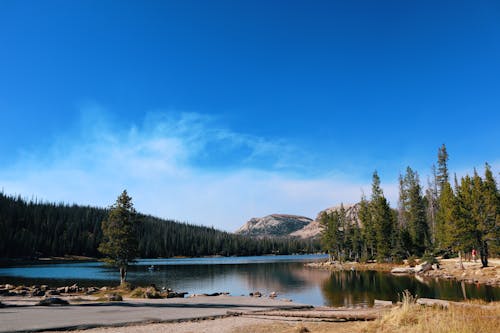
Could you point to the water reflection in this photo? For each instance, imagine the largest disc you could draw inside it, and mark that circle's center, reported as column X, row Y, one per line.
column 347, row 288
column 239, row 276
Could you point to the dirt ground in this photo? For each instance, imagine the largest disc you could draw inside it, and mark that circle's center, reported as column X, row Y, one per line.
column 472, row 272
column 238, row 325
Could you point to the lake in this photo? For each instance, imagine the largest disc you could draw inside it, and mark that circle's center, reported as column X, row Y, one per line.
column 242, row 275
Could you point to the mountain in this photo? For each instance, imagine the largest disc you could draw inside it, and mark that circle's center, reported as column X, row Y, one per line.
column 313, row 229
column 275, row 225
column 282, row 225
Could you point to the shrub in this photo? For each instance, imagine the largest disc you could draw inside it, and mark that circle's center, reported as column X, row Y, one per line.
column 429, row 258
column 412, row 261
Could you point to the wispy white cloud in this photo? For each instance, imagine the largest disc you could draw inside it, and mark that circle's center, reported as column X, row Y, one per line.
column 181, row 166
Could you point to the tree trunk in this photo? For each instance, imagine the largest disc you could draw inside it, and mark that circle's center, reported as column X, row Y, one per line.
column 460, row 260
column 483, row 252
column 123, row 275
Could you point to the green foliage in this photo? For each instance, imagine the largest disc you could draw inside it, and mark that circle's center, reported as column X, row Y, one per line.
column 382, row 220
column 412, row 261
column 429, row 258
column 332, row 230
column 412, row 214
column 120, row 244
column 33, row 229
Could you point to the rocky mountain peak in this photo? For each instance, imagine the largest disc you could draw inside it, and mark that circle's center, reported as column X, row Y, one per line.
column 274, row 225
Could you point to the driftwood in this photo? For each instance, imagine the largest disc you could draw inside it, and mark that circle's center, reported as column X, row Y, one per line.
column 362, row 314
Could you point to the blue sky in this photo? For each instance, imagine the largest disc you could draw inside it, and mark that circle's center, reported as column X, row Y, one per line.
column 214, row 112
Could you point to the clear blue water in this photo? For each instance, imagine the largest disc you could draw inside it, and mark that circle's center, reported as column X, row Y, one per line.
column 242, row 275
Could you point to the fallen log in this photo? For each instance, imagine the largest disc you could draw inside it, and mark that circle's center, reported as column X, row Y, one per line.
column 331, row 315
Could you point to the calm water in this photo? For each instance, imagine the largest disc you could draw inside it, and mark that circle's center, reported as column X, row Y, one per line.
column 241, row 275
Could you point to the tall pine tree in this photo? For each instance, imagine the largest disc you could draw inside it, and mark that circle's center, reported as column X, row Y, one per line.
column 382, row 220
column 120, row 244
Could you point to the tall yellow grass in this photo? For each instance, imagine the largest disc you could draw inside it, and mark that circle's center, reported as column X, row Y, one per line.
column 472, row 317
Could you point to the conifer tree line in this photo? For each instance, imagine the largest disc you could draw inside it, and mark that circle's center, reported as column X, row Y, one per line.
column 444, row 219
column 32, row 229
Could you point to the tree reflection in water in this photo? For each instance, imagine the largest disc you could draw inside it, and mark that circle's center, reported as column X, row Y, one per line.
column 346, row 288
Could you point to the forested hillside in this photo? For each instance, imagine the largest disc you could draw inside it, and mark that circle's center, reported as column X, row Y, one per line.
column 34, row 229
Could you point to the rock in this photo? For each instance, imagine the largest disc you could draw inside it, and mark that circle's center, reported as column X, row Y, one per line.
column 9, row 287
column 435, row 267
column 52, row 292
column 423, row 267
column 275, row 225
column 37, row 293
column 256, row 294
column 114, row 297
column 174, row 294
column 52, row 301
column 91, row 290
column 212, row 294
column 273, row 294
column 104, row 289
column 402, row 270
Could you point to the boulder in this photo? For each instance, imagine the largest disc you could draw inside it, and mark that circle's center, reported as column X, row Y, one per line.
column 173, row 294
column 403, row 270
column 423, row 267
column 114, row 297
column 37, row 292
column 52, row 292
column 52, row 301
column 91, row 290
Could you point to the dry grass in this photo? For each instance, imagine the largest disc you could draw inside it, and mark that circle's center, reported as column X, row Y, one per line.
column 463, row 318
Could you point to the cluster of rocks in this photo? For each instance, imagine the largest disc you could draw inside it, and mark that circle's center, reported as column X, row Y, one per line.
column 259, row 294
column 418, row 269
column 44, row 290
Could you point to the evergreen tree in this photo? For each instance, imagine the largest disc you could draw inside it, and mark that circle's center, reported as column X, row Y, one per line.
column 446, row 209
column 462, row 232
column 442, row 176
column 415, row 211
column 120, row 244
column 431, row 203
column 332, row 233
column 382, row 220
column 486, row 211
column 367, row 229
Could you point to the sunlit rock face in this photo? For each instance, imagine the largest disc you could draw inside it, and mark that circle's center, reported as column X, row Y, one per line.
column 275, row 225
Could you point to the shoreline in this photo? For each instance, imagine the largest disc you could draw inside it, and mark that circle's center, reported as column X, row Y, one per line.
column 232, row 314
column 448, row 269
